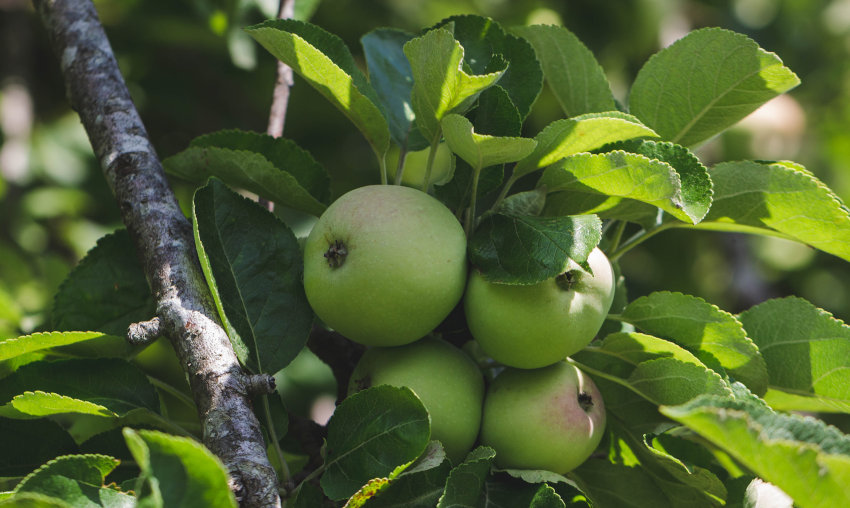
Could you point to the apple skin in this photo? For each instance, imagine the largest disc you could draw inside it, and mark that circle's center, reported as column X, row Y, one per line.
column 385, row 264
column 551, row 418
column 537, row 325
column 449, row 384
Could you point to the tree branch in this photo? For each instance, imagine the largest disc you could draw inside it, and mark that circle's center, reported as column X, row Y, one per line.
column 280, row 95
column 164, row 242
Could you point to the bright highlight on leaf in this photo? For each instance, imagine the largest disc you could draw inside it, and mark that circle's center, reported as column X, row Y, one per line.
column 584, row 133
column 779, row 198
column 440, row 85
column 806, row 350
column 704, row 83
column 599, row 183
column 480, row 150
column 324, row 61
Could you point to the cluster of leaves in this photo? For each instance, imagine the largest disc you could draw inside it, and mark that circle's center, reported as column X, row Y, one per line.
column 700, row 402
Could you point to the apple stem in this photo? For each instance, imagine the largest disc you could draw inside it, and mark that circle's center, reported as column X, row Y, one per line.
column 618, row 235
column 504, row 191
column 435, row 144
column 399, row 170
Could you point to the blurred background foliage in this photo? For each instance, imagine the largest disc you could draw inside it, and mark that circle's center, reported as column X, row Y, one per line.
column 191, row 70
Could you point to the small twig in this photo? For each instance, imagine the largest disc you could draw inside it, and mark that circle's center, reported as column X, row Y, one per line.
column 260, row 384
column 145, row 332
column 280, row 95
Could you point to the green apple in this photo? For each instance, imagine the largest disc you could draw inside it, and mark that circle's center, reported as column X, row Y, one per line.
column 385, row 264
column 449, row 384
column 537, row 325
column 550, row 418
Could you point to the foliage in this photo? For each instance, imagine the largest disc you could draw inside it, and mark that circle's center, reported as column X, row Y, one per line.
column 700, row 401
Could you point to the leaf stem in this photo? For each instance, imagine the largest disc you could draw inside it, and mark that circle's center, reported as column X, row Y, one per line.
column 435, row 144
column 638, row 238
column 174, row 392
column 473, row 199
column 382, row 162
column 618, row 235
column 284, row 467
column 511, row 181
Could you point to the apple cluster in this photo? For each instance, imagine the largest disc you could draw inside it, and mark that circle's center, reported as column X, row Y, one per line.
column 385, row 265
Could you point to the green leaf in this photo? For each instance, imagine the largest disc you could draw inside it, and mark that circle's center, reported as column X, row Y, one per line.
column 496, row 115
column 254, row 266
column 418, row 486
column 781, row 199
column 697, row 188
column 324, row 61
column 33, row 500
column 570, row 69
column 106, row 292
column 114, row 384
column 657, row 370
column 546, row 497
column 27, row 444
column 486, row 45
column 392, row 78
column 504, row 492
column 716, row 337
column 807, row 352
column 803, row 456
column 440, row 86
column 47, row 404
column 249, row 170
column 584, row 133
column 598, row 183
column 465, row 481
column 524, row 249
column 704, row 83
column 178, row 471
column 371, row 434
column 481, row 150
column 617, row 485
column 77, row 480
column 13, row 347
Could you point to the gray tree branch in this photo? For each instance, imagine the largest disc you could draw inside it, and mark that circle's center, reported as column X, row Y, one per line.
column 164, row 242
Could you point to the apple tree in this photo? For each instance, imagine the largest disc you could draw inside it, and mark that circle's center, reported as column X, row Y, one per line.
column 470, row 303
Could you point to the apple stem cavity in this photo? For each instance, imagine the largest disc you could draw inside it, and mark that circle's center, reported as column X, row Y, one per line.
column 567, row 280
column 336, row 254
column 585, row 401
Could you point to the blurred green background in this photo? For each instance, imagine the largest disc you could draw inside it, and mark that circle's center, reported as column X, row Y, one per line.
column 191, row 71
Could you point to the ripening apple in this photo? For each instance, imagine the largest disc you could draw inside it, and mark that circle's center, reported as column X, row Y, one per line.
column 550, row 418
column 449, row 384
column 385, row 264
column 537, row 325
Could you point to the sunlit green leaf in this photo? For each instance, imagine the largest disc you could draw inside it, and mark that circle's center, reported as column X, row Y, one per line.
column 704, row 83
column 178, row 471
column 714, row 336
column 778, row 198
column 480, row 150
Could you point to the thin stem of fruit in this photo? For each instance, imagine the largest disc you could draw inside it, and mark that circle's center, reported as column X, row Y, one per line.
column 399, row 169
column 382, row 162
column 435, row 144
column 473, row 199
column 605, row 375
column 286, row 477
column 638, row 238
column 618, row 235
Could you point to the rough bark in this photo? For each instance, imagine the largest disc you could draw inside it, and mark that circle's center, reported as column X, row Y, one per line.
column 164, row 241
